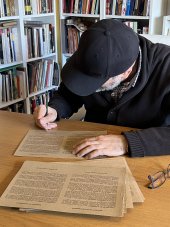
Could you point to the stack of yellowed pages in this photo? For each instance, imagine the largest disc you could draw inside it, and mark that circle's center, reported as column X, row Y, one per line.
column 98, row 187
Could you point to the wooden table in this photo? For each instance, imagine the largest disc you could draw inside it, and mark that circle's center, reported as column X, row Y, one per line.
column 155, row 211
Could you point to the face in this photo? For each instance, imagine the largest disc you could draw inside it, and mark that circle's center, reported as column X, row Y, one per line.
column 112, row 83
column 116, row 80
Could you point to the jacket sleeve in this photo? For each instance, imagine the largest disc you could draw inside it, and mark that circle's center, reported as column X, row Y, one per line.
column 65, row 102
column 153, row 141
column 149, row 142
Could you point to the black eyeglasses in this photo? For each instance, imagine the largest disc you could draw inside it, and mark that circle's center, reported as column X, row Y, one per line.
column 157, row 179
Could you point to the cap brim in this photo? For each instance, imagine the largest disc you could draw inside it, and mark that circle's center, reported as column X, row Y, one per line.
column 78, row 82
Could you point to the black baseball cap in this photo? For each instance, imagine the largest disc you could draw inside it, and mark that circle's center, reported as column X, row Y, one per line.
column 107, row 49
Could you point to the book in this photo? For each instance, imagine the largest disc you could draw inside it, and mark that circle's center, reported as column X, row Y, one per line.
column 21, row 73
column 28, row 7
column 0, row 88
column 97, row 7
column 1, row 48
column 132, row 6
column 128, row 5
column 108, row 2
column 118, row 7
column 76, row 6
column 72, row 6
column 56, row 74
column 123, row 11
column 84, row 6
column 8, row 23
column 141, row 7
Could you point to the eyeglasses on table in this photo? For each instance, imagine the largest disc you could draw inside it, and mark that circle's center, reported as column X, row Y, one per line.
column 159, row 178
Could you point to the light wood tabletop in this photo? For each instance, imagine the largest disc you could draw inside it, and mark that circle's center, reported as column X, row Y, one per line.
column 155, row 211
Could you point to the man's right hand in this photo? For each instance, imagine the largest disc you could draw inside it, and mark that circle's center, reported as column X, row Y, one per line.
column 45, row 121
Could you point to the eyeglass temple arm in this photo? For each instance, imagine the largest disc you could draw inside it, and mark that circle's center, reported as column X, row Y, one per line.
column 151, row 185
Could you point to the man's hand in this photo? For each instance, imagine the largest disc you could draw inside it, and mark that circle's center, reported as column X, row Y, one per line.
column 109, row 145
column 43, row 121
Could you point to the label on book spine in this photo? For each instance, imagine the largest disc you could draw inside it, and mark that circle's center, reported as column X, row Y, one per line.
column 27, row 9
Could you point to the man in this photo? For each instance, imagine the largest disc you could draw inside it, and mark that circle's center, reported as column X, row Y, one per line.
column 121, row 79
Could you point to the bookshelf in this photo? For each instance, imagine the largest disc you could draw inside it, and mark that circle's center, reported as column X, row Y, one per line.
column 146, row 21
column 34, row 49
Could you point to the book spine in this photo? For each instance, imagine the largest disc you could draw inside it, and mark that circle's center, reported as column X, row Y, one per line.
column 28, row 8
column 71, row 6
column 84, row 6
column 128, row 3
column 97, row 7
column 123, row 12
column 0, row 88
column 76, row 5
column 107, row 7
column 93, row 7
column 1, row 48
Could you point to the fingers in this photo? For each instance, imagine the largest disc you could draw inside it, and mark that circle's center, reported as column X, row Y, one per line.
column 84, row 143
column 43, row 121
column 46, row 126
column 94, row 154
column 86, row 148
column 109, row 145
column 89, row 148
column 49, row 126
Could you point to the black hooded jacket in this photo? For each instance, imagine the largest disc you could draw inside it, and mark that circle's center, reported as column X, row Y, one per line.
column 145, row 106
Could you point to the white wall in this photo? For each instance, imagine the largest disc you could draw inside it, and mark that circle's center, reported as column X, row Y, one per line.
column 158, row 38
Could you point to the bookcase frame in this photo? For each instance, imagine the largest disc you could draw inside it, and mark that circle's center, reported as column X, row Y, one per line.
column 20, row 19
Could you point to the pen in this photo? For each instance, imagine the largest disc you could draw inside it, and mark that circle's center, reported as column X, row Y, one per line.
column 46, row 102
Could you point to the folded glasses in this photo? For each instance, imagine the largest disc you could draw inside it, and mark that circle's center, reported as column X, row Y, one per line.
column 157, row 179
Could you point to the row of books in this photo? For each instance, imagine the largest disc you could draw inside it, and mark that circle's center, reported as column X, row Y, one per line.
column 9, row 49
column 113, row 7
column 38, row 6
column 40, row 39
column 73, row 39
column 7, row 8
column 128, row 7
column 12, row 84
column 81, row 6
column 74, row 32
column 42, row 74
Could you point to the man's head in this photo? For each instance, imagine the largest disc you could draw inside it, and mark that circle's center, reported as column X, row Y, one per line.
column 107, row 49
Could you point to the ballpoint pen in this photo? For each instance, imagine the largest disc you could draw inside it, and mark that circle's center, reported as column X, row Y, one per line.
column 46, row 102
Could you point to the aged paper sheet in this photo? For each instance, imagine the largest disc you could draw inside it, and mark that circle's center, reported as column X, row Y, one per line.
column 54, row 143
column 132, row 191
column 134, row 194
column 69, row 188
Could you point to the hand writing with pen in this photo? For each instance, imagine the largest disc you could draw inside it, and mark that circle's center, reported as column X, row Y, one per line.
column 108, row 145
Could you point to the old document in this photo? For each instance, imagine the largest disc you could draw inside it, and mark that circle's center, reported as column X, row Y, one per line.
column 69, row 188
column 54, row 143
column 133, row 193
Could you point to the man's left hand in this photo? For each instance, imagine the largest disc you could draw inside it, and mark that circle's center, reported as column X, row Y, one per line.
column 109, row 145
